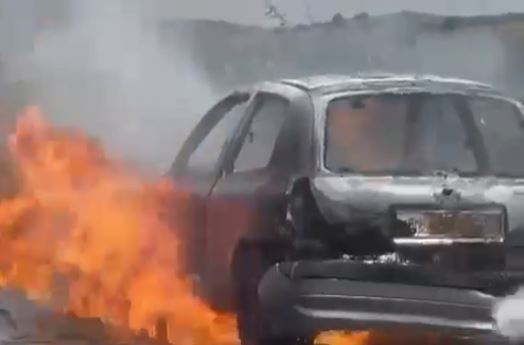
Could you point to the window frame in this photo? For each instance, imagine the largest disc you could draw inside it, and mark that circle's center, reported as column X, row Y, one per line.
column 257, row 101
column 205, row 126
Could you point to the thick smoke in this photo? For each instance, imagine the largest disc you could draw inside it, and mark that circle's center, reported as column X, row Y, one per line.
column 509, row 316
column 108, row 72
column 403, row 42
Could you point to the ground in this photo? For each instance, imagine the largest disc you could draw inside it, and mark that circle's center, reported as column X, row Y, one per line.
column 24, row 322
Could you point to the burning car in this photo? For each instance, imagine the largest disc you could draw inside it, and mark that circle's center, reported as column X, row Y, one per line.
column 356, row 203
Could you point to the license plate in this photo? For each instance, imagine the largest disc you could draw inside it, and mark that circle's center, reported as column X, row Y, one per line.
column 464, row 225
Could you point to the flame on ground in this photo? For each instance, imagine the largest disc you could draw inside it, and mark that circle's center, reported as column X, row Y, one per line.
column 394, row 337
column 85, row 233
column 342, row 338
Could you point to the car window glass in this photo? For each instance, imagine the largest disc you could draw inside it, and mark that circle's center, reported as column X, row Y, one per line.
column 392, row 133
column 203, row 160
column 259, row 143
column 366, row 134
column 502, row 132
column 441, row 138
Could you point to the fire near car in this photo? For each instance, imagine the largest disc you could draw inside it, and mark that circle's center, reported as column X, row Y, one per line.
column 356, row 203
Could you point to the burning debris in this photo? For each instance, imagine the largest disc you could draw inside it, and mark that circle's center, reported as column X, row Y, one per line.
column 85, row 235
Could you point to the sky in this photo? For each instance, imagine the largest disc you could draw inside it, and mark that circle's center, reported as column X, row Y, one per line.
column 252, row 11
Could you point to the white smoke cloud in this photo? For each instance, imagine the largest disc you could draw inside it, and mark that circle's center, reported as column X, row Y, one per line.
column 108, row 72
column 509, row 316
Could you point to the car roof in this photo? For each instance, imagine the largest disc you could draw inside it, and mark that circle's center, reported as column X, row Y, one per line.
column 327, row 84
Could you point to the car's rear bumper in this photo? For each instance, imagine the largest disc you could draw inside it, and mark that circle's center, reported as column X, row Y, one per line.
column 307, row 306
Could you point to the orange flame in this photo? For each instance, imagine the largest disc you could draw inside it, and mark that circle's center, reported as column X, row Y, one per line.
column 342, row 338
column 399, row 336
column 82, row 223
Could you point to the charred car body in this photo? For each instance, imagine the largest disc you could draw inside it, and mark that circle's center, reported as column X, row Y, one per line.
column 355, row 203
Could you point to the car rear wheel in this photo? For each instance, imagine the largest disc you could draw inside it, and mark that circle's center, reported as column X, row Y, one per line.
column 249, row 265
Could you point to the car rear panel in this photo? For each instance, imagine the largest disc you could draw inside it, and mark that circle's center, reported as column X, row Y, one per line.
column 342, row 198
column 317, row 296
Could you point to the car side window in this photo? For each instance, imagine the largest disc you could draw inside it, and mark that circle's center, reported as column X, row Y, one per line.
column 203, row 160
column 259, row 143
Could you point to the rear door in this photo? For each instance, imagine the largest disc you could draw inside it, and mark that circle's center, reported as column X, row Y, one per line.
column 246, row 200
column 197, row 168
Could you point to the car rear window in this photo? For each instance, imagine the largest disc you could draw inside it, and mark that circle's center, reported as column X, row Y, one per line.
column 415, row 133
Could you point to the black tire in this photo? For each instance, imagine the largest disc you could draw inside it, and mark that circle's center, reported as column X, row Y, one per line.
column 249, row 265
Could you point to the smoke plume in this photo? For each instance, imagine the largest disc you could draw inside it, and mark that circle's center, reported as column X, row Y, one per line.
column 509, row 316
column 107, row 71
